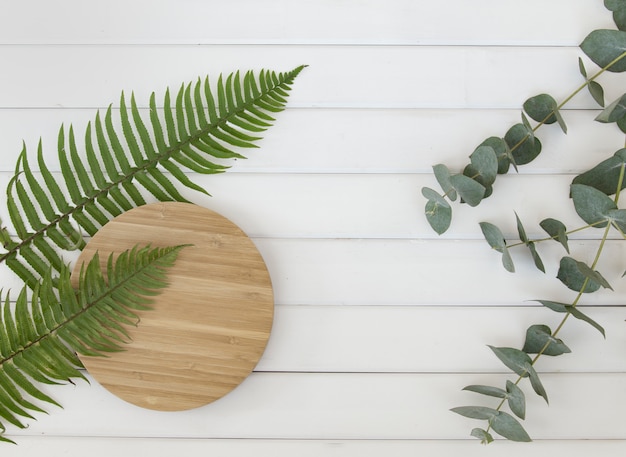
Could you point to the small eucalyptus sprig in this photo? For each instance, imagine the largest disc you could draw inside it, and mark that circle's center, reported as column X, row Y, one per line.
column 599, row 211
column 591, row 194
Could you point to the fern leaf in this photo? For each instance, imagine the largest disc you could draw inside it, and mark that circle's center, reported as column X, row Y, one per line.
column 204, row 127
column 35, row 335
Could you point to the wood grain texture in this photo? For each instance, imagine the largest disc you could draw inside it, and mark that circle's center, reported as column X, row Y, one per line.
column 208, row 329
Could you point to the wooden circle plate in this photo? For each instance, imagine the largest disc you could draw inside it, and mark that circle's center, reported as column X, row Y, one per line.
column 208, row 329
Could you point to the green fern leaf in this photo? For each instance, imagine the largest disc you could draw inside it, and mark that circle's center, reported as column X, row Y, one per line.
column 204, row 127
column 35, row 335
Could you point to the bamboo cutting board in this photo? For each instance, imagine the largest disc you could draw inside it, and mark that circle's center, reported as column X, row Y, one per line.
column 208, row 329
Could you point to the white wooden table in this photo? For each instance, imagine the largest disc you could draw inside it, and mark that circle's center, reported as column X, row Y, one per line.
column 379, row 322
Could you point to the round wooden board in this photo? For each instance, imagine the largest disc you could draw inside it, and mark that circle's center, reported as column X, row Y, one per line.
column 208, row 329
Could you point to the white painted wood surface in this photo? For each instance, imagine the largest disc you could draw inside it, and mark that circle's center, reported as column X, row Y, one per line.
column 379, row 323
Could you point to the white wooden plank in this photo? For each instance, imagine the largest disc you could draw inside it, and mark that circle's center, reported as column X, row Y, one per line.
column 327, row 21
column 415, row 272
column 355, row 140
column 337, row 76
column 343, row 406
column 374, row 205
column 160, row 447
column 425, row 339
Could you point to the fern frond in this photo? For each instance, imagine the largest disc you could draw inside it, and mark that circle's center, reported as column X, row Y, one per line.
column 197, row 130
column 38, row 338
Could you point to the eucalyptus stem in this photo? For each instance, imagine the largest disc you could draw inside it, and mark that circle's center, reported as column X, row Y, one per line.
column 576, row 301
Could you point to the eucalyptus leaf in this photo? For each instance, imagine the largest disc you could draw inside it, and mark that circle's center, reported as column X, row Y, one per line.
column 606, row 175
column 619, row 17
column 539, row 339
column 523, row 144
column 484, row 436
column 574, row 311
column 507, row 426
column 485, row 162
column 516, row 399
column 502, row 151
column 614, row 112
column 494, row 237
column 621, row 124
column 618, row 218
column 557, row 230
column 470, row 190
column 516, row 360
column 606, row 48
column 592, row 205
column 442, row 174
column 572, row 274
column 614, row 5
column 438, row 211
column 475, row 412
column 487, row 390
column 531, row 245
column 541, row 108
column 597, row 92
column 536, row 384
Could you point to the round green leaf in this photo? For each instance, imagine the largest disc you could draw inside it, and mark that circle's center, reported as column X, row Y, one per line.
column 438, row 211
column 496, row 240
column 485, row 162
column 571, row 275
column 523, row 144
column 539, row 337
column 541, row 108
column 605, row 175
column 557, row 230
column 592, row 205
column 604, row 47
column 502, row 151
column 442, row 174
column 484, row 436
column 471, row 191
column 614, row 5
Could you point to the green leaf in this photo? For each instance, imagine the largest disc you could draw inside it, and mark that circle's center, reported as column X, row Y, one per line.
column 614, row 112
column 34, row 337
column 106, row 176
column 516, row 399
column 531, row 245
column 523, row 144
column 516, row 360
column 484, row 436
column 606, row 175
column 576, row 276
column 503, row 153
column 507, row 426
column 557, row 230
column 595, row 89
column 606, row 48
column 592, row 205
column 496, row 240
column 539, row 339
column 541, row 108
column 536, row 384
column 475, row 412
column 442, row 174
column 438, row 212
column 614, row 5
column 485, row 163
column 619, row 17
column 470, row 190
column 487, row 390
column 574, row 311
